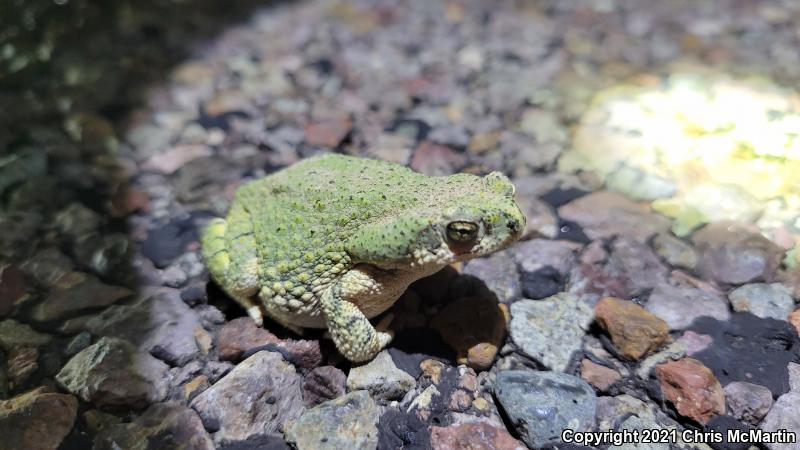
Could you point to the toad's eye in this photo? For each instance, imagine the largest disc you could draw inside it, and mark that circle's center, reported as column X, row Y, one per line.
column 462, row 231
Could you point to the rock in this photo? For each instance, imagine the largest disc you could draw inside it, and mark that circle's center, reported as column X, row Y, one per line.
column 14, row 335
column 48, row 265
column 634, row 331
column 162, row 425
column 328, row 133
column 22, row 363
column 128, row 200
column 167, row 241
column 544, row 266
column 639, row 185
column 794, row 376
column 749, row 348
column 540, row 405
column 13, row 288
column 606, row 214
column 397, row 429
column 542, row 220
column 97, row 421
column 470, row 436
column 73, row 294
column 680, row 306
column 169, row 161
column 348, row 422
column 499, row 273
column 77, row 343
column 692, row 388
column 762, row 299
column 241, row 336
column 694, row 342
column 112, row 372
column 437, row 160
column 747, row 402
column 784, row 416
column 257, row 397
column 731, row 254
column 76, row 221
column 675, row 252
column 601, row 377
column 474, row 327
column 550, row 330
column 36, row 420
column 636, row 266
column 794, row 319
column 159, row 322
column 323, row 384
column 381, row 378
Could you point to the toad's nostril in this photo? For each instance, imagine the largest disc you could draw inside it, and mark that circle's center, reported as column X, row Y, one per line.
column 513, row 225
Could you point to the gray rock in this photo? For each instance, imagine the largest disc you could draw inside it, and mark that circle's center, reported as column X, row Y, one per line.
column 73, row 294
column 162, row 425
column 540, row 405
column 161, row 324
column 607, row 214
column 537, row 254
column 784, row 415
column 36, row 420
column 381, row 378
column 76, row 221
column 747, row 402
column 348, row 422
column 635, row 264
column 550, row 330
column 794, row 377
column 14, row 334
column 255, row 398
column 674, row 251
column 638, row 423
column 112, row 372
column 48, row 265
column 638, row 184
column 542, row 220
column 679, row 306
column 499, row 273
column 764, row 300
column 731, row 253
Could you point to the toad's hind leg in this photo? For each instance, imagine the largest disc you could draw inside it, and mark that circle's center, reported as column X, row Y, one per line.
column 229, row 249
column 351, row 331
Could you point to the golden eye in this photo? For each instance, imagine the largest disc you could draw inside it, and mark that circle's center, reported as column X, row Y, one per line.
column 462, row 231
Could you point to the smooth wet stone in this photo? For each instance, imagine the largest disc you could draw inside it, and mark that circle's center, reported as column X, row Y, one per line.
column 257, row 397
column 639, row 185
column 113, row 372
column 680, row 306
column 36, row 420
column 747, row 402
column 540, row 405
column 381, row 378
column 764, row 300
column 730, row 253
column 348, row 422
column 674, row 251
column 550, row 330
column 162, row 425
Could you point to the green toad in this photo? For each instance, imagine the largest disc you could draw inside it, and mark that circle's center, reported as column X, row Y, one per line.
column 334, row 240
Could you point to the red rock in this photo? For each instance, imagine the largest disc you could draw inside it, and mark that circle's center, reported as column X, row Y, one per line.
column 600, row 377
column 36, row 420
column 13, row 288
column 328, row 133
column 241, row 335
column 692, row 388
column 473, row 436
column 794, row 319
column 634, row 331
column 437, row 160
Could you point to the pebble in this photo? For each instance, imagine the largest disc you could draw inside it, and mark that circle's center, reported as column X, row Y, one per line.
column 328, row 133
column 731, row 253
column 36, row 420
column 348, row 422
column 541, row 218
column 14, row 334
column 540, row 405
column 636, row 266
column 764, row 300
column 607, row 214
column 675, row 251
column 158, row 322
column 257, row 397
column 13, row 288
column 550, row 330
column 437, row 160
column 680, row 306
column 73, row 294
column 784, row 415
column 473, row 436
column 747, row 402
column 601, row 377
column 692, row 388
column 322, row 384
column 241, row 336
column 162, row 425
column 381, row 378
column 474, row 327
column 544, row 266
column 22, row 363
column 634, row 331
column 112, row 372
column 499, row 273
